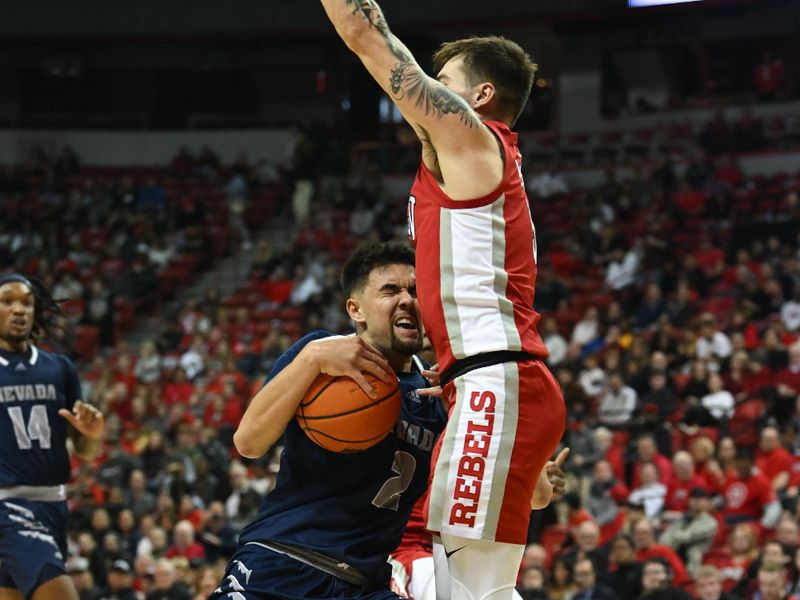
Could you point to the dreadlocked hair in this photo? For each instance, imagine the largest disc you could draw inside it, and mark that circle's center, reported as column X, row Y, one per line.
column 46, row 310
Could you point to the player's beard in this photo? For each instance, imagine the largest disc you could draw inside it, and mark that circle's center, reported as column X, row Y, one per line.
column 406, row 348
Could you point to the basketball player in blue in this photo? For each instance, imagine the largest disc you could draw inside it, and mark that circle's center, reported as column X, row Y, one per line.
column 40, row 408
column 327, row 528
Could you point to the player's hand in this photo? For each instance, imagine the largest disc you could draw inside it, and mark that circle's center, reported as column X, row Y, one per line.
column 556, row 475
column 351, row 356
column 86, row 420
column 432, row 375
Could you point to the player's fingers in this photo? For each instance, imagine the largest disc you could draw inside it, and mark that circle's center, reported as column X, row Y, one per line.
column 375, row 369
column 432, row 376
column 435, row 391
column 363, row 383
column 562, row 456
column 68, row 416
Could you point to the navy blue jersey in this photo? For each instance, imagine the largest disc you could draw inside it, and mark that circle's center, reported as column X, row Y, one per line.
column 33, row 436
column 351, row 506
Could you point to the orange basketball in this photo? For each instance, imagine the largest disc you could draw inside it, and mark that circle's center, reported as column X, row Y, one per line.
column 337, row 415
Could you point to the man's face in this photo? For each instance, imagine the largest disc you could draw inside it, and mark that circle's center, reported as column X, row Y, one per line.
column 770, row 584
column 654, row 576
column 388, row 310
column 584, row 575
column 16, row 312
column 453, row 77
column 709, row 588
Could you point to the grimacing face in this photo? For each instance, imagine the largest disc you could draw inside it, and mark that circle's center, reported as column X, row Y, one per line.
column 388, row 310
column 17, row 308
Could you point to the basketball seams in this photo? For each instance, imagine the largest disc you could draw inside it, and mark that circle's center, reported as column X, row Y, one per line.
column 319, row 392
column 388, row 396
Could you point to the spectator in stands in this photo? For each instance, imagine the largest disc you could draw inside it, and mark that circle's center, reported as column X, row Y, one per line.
column 78, row 569
column 787, row 379
column 554, row 341
column 769, row 77
column 625, row 571
column 657, row 576
column 120, row 582
column 709, row 584
column 535, row 556
column 587, row 329
column 748, row 494
column 165, row 584
column 185, row 544
column 148, row 365
column 217, row 536
column 691, row 535
column 718, row 402
column 533, row 583
column 618, row 402
column 684, row 481
column 623, row 268
column 711, row 342
column 561, row 583
column 605, row 493
column 587, row 546
column 772, row 553
column 587, row 586
column 647, row 548
column 647, row 452
column 773, row 460
column 651, row 492
column 772, row 583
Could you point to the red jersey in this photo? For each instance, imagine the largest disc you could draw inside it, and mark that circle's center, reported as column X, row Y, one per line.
column 476, row 263
column 774, row 462
column 678, row 493
column 746, row 497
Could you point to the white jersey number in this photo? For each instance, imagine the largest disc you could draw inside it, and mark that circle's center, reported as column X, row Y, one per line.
column 389, row 495
column 412, row 230
column 38, row 427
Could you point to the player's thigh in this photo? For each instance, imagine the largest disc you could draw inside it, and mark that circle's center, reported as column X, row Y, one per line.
column 59, row 588
column 32, row 545
column 506, row 422
column 10, row 594
column 482, row 570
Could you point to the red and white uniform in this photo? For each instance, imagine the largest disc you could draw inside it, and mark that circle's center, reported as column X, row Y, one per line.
column 476, row 273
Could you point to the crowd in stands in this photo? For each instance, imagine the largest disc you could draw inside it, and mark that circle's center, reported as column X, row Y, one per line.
column 671, row 309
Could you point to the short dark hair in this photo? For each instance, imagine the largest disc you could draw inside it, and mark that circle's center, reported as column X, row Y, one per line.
column 369, row 257
column 494, row 59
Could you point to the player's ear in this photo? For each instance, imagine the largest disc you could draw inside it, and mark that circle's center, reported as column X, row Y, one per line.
column 485, row 93
column 353, row 308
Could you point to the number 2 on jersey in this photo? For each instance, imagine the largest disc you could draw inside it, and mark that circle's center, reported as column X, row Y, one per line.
column 389, row 495
column 38, row 427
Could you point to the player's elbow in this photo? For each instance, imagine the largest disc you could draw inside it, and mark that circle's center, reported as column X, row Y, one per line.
column 246, row 444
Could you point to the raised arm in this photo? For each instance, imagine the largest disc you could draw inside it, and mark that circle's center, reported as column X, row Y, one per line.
column 443, row 120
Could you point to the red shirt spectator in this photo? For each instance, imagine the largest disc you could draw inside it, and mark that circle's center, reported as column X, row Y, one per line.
column 185, row 544
column 773, row 460
column 646, row 547
column 646, row 451
column 747, row 492
column 180, row 390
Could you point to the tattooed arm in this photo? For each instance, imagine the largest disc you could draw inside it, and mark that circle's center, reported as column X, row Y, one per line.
column 456, row 145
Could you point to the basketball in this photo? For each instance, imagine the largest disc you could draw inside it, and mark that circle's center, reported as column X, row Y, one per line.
column 339, row 416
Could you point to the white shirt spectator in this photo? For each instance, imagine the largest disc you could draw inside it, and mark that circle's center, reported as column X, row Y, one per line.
column 790, row 314
column 719, row 404
column 585, row 331
column 557, row 347
column 651, row 496
column 593, row 381
column 616, row 407
column 620, row 274
column 546, row 184
column 718, row 346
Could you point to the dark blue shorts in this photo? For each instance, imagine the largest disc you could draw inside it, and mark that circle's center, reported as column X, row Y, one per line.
column 257, row 573
column 33, row 543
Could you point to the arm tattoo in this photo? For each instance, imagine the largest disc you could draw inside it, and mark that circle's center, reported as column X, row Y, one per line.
column 407, row 80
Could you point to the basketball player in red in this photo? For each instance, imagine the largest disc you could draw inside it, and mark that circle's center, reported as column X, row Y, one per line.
column 469, row 218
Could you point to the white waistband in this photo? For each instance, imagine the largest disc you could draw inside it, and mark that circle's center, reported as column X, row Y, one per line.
column 38, row 493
